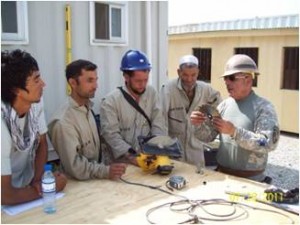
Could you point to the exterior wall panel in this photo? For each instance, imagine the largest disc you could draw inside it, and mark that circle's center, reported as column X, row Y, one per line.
column 270, row 44
column 47, row 44
column 46, row 21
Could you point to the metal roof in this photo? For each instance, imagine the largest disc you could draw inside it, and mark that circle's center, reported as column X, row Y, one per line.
column 274, row 22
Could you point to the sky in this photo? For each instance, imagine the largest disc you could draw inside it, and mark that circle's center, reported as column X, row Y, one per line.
column 198, row 11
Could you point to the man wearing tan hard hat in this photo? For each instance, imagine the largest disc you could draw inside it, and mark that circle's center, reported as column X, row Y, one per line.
column 247, row 125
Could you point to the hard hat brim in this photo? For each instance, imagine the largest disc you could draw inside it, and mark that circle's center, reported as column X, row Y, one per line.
column 135, row 68
column 229, row 73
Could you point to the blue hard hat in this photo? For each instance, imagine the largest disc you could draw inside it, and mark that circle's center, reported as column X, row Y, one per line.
column 135, row 60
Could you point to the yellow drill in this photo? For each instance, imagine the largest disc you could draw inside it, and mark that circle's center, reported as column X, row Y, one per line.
column 156, row 153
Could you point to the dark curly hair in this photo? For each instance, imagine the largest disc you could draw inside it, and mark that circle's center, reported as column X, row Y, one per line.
column 16, row 67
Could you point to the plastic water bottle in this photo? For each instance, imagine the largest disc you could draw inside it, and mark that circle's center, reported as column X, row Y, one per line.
column 49, row 190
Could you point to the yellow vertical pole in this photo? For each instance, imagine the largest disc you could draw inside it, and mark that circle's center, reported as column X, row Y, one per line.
column 68, row 40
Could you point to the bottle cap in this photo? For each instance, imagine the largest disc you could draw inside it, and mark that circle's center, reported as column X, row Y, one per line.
column 47, row 167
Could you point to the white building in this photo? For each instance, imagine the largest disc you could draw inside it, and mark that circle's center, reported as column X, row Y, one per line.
column 101, row 32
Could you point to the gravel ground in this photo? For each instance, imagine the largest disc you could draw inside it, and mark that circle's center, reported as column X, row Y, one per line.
column 283, row 162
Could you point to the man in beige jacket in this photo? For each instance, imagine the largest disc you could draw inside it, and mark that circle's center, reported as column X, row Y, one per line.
column 179, row 97
column 73, row 129
column 121, row 123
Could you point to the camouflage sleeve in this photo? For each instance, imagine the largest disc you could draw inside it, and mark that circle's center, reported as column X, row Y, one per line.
column 265, row 135
column 206, row 131
column 214, row 98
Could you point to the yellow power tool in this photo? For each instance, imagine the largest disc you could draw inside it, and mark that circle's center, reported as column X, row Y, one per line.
column 156, row 153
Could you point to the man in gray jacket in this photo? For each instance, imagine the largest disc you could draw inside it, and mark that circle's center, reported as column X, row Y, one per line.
column 121, row 123
column 179, row 97
column 73, row 130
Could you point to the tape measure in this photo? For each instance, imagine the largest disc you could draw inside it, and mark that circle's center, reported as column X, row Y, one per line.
column 177, row 182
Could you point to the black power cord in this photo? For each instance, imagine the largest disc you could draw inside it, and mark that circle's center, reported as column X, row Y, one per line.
column 153, row 187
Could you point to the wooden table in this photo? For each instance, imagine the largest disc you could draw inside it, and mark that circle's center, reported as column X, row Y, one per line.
column 105, row 201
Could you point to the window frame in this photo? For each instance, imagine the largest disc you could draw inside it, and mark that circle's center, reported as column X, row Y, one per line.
column 21, row 37
column 197, row 52
column 285, row 85
column 116, row 41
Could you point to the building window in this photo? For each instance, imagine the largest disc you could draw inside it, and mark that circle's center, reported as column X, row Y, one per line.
column 291, row 68
column 14, row 20
column 204, row 57
column 253, row 54
column 108, row 23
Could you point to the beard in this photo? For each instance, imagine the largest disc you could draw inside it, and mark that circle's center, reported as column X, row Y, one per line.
column 86, row 95
column 135, row 91
column 138, row 92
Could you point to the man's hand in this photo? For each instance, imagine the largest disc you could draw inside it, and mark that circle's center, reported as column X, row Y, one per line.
column 37, row 185
column 116, row 170
column 223, row 126
column 61, row 181
column 197, row 117
column 131, row 159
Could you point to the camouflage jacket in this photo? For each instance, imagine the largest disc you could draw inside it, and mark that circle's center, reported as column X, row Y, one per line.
column 257, row 133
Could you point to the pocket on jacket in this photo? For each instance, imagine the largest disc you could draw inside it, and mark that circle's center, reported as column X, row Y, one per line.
column 176, row 126
column 88, row 150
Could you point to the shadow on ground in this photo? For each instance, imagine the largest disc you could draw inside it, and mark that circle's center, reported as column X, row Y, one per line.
column 283, row 177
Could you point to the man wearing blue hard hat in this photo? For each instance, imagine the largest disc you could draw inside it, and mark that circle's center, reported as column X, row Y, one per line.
column 131, row 110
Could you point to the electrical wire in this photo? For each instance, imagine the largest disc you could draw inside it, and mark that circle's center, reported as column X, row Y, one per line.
column 195, row 218
column 152, row 187
column 191, row 205
column 194, row 204
column 233, row 215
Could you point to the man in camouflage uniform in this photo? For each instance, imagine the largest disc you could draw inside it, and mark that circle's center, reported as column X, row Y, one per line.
column 179, row 97
column 248, row 125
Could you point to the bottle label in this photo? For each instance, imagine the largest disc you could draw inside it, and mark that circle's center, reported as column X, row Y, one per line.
column 48, row 187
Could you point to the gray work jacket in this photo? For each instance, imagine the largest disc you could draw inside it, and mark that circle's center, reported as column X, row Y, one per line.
column 121, row 123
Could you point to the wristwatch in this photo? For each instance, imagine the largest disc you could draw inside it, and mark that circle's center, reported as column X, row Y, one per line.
column 234, row 133
column 130, row 153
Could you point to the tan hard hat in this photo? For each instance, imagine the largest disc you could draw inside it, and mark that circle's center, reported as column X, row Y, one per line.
column 240, row 63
